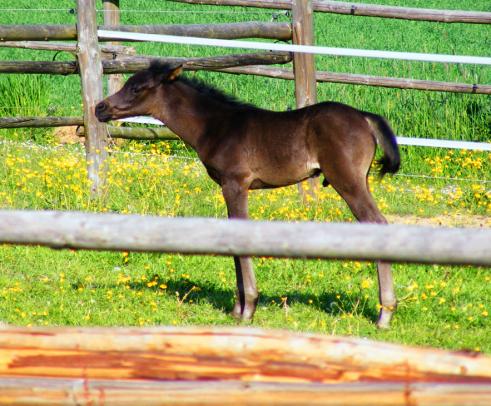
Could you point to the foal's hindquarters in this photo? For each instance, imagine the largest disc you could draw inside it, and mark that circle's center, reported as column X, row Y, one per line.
column 340, row 142
column 357, row 134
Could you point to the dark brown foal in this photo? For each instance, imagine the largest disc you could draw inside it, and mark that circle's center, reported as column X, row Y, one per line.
column 244, row 147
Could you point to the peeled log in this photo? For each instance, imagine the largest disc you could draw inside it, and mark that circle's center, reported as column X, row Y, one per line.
column 230, row 366
column 252, row 29
column 227, row 354
column 56, row 391
column 134, row 64
column 202, row 236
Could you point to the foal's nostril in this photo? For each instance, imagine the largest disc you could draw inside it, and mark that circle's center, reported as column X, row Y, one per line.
column 100, row 107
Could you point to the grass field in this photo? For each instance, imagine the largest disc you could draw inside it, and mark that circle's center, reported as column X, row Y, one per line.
column 449, row 305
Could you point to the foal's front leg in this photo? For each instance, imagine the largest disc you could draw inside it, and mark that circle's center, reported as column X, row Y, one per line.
column 235, row 195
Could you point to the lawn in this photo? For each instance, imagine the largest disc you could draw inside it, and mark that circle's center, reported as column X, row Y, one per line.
column 449, row 305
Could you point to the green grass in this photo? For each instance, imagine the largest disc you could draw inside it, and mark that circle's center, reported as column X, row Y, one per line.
column 412, row 113
column 39, row 286
column 448, row 305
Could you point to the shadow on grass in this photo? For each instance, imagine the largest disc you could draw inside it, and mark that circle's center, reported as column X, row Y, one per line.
column 335, row 304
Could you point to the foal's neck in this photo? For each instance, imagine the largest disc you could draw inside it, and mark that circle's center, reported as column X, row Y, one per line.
column 186, row 111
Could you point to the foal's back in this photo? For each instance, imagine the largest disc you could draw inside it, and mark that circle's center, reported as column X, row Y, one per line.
column 283, row 148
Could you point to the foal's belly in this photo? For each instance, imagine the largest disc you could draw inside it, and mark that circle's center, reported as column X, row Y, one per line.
column 284, row 176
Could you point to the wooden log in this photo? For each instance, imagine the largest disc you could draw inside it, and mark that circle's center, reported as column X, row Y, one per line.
column 112, row 17
column 134, row 64
column 228, row 354
column 40, row 122
column 64, row 391
column 360, row 9
column 51, row 67
column 38, row 32
column 134, row 133
column 90, row 64
column 304, row 69
column 303, row 64
column 253, row 29
column 137, row 133
column 394, row 243
column 66, row 47
column 356, row 79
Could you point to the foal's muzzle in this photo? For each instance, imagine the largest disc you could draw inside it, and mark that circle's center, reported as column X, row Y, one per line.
column 101, row 112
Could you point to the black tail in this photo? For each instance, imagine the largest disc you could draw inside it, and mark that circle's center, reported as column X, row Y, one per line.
column 391, row 160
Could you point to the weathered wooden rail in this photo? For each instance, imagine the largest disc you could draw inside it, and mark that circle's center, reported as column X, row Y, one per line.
column 395, row 243
column 227, row 366
column 253, row 29
column 132, row 64
column 357, row 79
column 116, row 60
column 360, row 9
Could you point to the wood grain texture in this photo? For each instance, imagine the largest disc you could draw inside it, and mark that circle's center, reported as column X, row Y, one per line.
column 112, row 17
column 90, row 64
column 367, row 80
column 66, row 47
column 303, row 64
column 136, row 63
column 361, row 9
column 228, row 354
column 251, row 29
column 394, row 243
column 40, row 122
column 63, row 391
column 304, row 69
column 137, row 133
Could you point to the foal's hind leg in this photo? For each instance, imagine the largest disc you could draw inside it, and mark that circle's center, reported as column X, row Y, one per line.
column 235, row 196
column 354, row 190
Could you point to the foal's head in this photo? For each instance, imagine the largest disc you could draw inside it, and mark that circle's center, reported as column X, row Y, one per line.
column 137, row 95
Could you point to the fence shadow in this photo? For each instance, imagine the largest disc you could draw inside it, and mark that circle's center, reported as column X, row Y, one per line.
column 332, row 303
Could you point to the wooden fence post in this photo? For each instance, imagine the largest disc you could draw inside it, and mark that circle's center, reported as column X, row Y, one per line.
column 90, row 65
column 304, row 65
column 112, row 18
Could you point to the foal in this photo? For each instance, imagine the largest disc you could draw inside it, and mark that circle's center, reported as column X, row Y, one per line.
column 244, row 147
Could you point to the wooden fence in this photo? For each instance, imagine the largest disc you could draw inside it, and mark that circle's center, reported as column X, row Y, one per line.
column 189, row 366
column 119, row 59
column 226, row 366
column 394, row 243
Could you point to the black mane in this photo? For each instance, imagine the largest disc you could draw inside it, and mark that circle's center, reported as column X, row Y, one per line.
column 202, row 87
column 214, row 93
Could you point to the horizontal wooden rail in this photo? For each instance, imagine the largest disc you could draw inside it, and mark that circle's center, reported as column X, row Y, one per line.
column 244, row 354
column 136, row 63
column 138, row 133
column 40, row 122
column 82, row 391
column 356, row 79
column 112, row 49
column 230, row 366
column 254, row 29
column 394, row 243
column 134, row 133
column 244, row 64
column 360, row 9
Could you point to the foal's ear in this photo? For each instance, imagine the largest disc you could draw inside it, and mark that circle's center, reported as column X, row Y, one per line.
column 173, row 73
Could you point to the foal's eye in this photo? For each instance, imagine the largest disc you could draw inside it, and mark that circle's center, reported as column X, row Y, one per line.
column 135, row 89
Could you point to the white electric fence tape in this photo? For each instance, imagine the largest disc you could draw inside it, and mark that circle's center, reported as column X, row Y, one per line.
column 308, row 49
column 410, row 56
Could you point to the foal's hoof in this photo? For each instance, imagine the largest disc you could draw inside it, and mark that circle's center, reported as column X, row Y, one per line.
column 240, row 314
column 385, row 317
